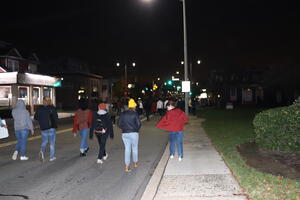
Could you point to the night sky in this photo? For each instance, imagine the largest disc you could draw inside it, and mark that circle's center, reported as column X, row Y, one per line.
column 102, row 32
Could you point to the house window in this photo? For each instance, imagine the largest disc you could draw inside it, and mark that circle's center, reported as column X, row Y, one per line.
column 36, row 96
column 32, row 68
column 13, row 64
column 5, row 95
column 48, row 92
column 23, row 94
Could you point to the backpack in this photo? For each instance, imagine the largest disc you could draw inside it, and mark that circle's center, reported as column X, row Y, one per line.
column 99, row 126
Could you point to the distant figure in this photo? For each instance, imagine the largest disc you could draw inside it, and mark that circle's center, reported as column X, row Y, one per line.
column 23, row 125
column 140, row 107
column 180, row 105
column 160, row 107
column 102, row 127
column 47, row 117
column 130, row 125
column 174, row 122
column 153, row 107
column 113, row 112
column 147, row 108
column 83, row 122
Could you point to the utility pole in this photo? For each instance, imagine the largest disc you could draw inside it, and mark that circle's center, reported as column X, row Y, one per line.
column 186, row 94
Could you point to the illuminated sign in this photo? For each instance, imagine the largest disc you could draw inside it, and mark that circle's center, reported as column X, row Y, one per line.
column 186, row 86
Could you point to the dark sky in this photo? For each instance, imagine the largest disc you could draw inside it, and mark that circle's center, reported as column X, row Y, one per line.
column 102, row 32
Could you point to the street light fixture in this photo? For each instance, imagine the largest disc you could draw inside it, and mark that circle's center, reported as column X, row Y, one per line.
column 125, row 75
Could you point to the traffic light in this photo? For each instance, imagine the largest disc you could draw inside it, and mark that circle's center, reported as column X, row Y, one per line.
column 170, row 82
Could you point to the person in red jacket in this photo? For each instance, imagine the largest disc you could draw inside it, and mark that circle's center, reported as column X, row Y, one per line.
column 82, row 122
column 174, row 122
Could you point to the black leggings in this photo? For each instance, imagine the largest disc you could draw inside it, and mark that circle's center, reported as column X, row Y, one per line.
column 102, row 142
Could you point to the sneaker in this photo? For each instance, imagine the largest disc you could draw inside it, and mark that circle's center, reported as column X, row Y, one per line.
column 171, row 156
column 24, row 158
column 52, row 159
column 82, row 154
column 87, row 149
column 180, row 159
column 41, row 156
column 15, row 155
column 135, row 164
column 127, row 169
column 99, row 161
column 105, row 157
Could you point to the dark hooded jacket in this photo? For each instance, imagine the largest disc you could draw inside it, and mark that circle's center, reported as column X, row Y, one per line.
column 46, row 116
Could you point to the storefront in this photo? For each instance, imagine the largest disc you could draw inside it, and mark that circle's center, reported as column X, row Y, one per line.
column 26, row 86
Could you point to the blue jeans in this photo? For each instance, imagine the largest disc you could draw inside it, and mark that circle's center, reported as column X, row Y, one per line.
column 131, row 143
column 21, row 136
column 84, row 135
column 176, row 138
column 51, row 135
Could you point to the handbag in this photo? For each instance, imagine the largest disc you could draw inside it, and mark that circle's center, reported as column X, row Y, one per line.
column 3, row 130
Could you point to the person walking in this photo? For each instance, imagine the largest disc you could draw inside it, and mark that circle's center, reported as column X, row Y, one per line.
column 147, row 107
column 82, row 123
column 102, row 127
column 47, row 117
column 130, row 124
column 23, row 125
column 160, row 107
column 174, row 122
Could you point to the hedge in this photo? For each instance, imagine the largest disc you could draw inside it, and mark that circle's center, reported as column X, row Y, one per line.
column 278, row 128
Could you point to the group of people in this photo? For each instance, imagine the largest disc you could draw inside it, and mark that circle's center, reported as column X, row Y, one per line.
column 89, row 123
column 47, row 117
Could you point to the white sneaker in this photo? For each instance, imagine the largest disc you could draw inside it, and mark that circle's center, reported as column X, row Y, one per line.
column 15, row 155
column 41, row 156
column 180, row 159
column 105, row 157
column 52, row 159
column 24, row 158
column 171, row 156
column 99, row 161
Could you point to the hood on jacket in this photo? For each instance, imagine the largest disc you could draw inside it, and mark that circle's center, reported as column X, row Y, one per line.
column 20, row 104
column 102, row 112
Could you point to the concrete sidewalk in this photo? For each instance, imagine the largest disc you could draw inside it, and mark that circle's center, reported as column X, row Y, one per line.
column 202, row 174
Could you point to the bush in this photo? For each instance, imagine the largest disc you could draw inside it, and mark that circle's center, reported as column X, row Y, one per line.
column 279, row 128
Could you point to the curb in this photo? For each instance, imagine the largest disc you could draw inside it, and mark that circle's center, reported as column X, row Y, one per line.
column 154, row 182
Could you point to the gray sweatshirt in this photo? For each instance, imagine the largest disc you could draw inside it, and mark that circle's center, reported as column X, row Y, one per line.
column 21, row 117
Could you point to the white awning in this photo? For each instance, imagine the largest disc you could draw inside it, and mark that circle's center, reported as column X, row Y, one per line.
column 27, row 79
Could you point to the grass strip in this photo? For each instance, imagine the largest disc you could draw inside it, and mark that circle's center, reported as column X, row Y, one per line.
column 229, row 128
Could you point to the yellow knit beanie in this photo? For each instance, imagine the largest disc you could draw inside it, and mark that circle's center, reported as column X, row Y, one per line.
column 131, row 103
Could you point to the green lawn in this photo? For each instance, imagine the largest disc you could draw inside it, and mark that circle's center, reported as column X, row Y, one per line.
column 227, row 129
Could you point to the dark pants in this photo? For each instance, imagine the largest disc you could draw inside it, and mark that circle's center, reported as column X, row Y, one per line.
column 147, row 114
column 160, row 111
column 102, row 142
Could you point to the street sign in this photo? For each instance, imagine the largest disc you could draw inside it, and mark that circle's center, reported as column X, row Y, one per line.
column 186, row 86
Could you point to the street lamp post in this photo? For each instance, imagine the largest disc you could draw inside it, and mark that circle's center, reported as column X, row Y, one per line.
column 186, row 94
column 126, row 76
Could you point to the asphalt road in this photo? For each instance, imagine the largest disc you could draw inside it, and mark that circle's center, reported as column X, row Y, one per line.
column 74, row 177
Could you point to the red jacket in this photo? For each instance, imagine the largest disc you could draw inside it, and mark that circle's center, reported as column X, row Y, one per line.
column 174, row 120
column 82, row 120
